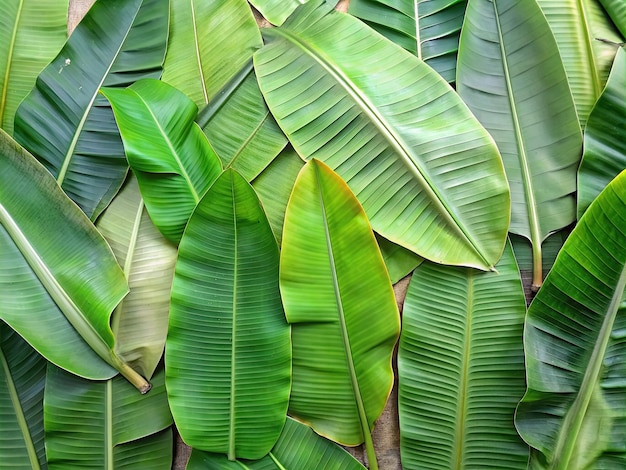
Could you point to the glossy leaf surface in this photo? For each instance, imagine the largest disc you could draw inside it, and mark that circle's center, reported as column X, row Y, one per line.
column 228, row 351
column 107, row 424
column 31, row 33
column 139, row 322
column 461, row 368
column 63, row 121
column 574, row 412
column 427, row 28
column 605, row 147
column 510, row 75
column 342, row 340
column 58, row 286
column 170, row 156
column 427, row 173
column 22, row 378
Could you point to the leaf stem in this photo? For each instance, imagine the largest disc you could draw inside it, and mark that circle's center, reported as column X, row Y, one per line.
column 131, row 374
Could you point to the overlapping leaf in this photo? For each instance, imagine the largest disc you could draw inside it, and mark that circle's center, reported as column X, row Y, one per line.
column 228, row 352
column 277, row 11
column 342, row 339
column 427, row 173
column 63, row 121
column 31, row 33
column 605, row 147
column 510, row 75
column 461, row 368
column 574, row 412
column 170, row 156
column 427, row 28
column 617, row 11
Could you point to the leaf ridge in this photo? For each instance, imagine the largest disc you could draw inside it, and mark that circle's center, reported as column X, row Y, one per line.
column 11, row 47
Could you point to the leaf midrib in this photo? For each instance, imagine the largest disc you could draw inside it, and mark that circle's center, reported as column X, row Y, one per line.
column 11, row 46
column 418, row 39
column 196, row 43
column 595, row 74
column 396, row 141
column 233, row 356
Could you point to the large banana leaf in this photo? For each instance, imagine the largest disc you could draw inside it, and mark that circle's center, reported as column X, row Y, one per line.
column 139, row 322
column 427, row 173
column 605, row 146
column 461, row 368
column 31, row 34
column 277, row 11
column 342, row 339
column 298, row 447
column 510, row 75
column 228, row 352
column 170, row 156
column 63, row 121
column 22, row 378
column 617, row 11
column 106, row 425
column 578, row 26
column 427, row 28
column 574, row 412
column 59, row 281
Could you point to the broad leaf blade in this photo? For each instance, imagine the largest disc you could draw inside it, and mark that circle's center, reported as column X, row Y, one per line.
column 31, row 34
column 298, row 447
column 399, row 261
column 461, row 367
column 63, row 121
column 617, row 11
column 277, row 11
column 106, row 424
column 428, row 29
column 227, row 324
column 577, row 25
column 510, row 75
column 139, row 322
column 170, row 156
column 376, row 114
column 342, row 340
column 605, row 147
column 574, row 409
column 22, row 378
column 59, row 281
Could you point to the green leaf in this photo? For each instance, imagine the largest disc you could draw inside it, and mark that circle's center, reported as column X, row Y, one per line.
column 277, row 11
column 342, row 340
column 617, row 12
column 170, row 156
column 31, row 34
column 139, row 322
column 63, row 121
column 274, row 186
column 427, row 173
column 605, row 148
column 510, row 75
column 461, row 367
column 22, row 378
column 577, row 25
column 106, row 424
column 574, row 411
column 428, row 29
column 228, row 353
column 399, row 261
column 298, row 447
column 58, row 284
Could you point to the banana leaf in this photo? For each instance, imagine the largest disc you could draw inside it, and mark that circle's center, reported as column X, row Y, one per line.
column 427, row 173
column 605, row 147
column 167, row 151
column 428, row 29
column 298, row 447
column 63, row 121
column 228, row 353
column 31, row 33
column 277, row 11
column 139, row 322
column 399, row 261
column 574, row 413
column 510, row 75
column 59, row 281
column 342, row 339
column 461, row 368
column 617, row 12
column 274, row 185
column 106, row 424
column 582, row 29
column 22, row 378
